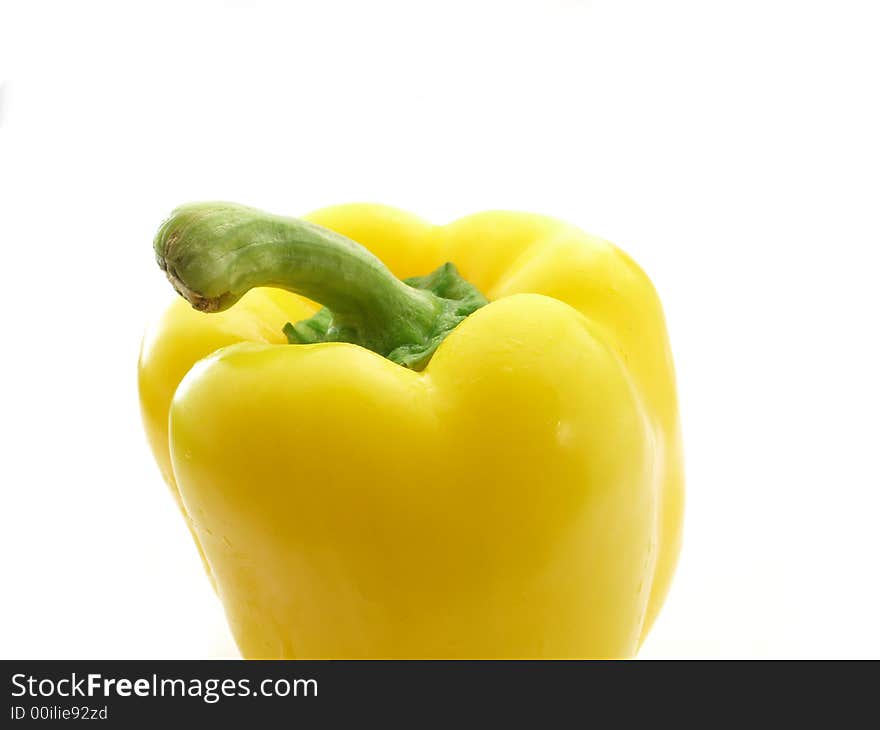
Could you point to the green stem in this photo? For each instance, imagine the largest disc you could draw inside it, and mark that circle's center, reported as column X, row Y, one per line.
column 213, row 253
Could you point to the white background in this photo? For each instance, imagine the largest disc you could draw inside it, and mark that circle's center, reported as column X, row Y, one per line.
column 733, row 148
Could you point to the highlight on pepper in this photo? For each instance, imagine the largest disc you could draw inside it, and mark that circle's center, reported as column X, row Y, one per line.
column 392, row 439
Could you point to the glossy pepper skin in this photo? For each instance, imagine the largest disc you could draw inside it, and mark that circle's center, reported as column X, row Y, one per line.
column 521, row 496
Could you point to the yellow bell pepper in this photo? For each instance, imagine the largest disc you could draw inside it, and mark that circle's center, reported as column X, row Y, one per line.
column 421, row 474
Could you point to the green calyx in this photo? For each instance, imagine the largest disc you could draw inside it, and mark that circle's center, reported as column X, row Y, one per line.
column 455, row 297
column 213, row 253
